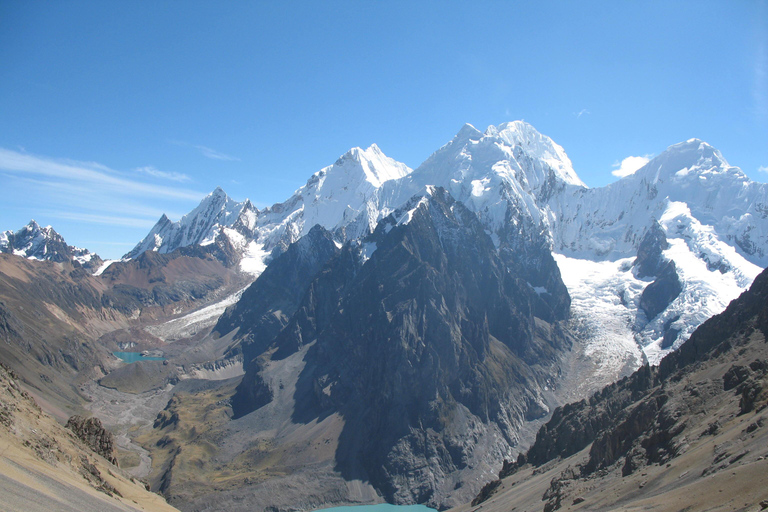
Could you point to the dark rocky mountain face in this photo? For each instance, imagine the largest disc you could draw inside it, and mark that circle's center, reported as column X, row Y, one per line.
column 650, row 258
column 267, row 306
column 661, row 292
column 430, row 341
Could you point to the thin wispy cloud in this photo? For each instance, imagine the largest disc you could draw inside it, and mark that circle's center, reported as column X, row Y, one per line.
column 206, row 151
column 97, row 218
column 216, row 155
column 99, row 177
column 630, row 165
column 155, row 173
column 65, row 195
column 581, row 113
column 87, row 192
column 763, row 168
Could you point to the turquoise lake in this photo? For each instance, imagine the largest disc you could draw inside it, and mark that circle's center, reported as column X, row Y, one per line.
column 133, row 357
column 385, row 507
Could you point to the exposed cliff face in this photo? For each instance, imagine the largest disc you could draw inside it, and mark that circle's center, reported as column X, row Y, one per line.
column 422, row 340
column 650, row 253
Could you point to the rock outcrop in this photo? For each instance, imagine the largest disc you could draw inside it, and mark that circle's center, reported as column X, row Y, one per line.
column 95, row 436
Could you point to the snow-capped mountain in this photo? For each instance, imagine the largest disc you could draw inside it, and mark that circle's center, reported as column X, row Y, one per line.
column 200, row 226
column 524, row 190
column 335, row 197
column 422, row 305
column 344, row 198
column 608, row 222
column 44, row 243
column 713, row 220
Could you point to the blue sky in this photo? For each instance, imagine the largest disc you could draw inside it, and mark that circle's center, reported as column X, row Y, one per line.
column 113, row 113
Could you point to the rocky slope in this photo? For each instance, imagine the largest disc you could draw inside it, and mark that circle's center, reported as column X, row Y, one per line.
column 44, row 466
column 690, row 433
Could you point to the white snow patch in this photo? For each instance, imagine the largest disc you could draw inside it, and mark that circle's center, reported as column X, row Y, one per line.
column 480, row 187
column 367, row 250
column 104, row 266
column 254, row 259
column 83, row 258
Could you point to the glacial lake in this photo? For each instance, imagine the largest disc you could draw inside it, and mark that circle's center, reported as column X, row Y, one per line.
column 134, row 357
column 384, row 507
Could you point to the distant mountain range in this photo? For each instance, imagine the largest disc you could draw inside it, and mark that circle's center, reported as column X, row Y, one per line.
column 44, row 243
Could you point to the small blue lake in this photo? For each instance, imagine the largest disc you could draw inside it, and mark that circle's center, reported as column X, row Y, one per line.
column 384, row 507
column 134, row 357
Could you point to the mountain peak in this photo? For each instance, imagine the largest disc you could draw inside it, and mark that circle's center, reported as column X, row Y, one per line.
column 43, row 243
column 693, row 158
column 198, row 227
column 376, row 167
column 468, row 132
column 218, row 192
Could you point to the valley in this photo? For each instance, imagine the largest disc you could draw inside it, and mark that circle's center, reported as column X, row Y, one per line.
column 395, row 335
